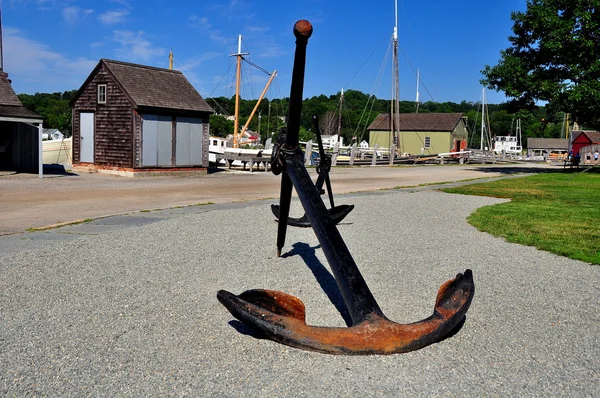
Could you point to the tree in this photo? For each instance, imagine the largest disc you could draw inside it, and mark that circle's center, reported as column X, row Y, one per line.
column 54, row 108
column 219, row 126
column 554, row 57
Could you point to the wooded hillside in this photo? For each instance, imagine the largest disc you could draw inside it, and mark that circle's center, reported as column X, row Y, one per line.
column 358, row 110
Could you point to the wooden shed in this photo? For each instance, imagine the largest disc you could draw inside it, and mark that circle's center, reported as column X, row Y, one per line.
column 137, row 117
column 547, row 148
column 421, row 133
column 20, row 132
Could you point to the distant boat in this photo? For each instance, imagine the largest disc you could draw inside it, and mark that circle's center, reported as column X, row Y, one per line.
column 57, row 151
column 230, row 148
column 216, row 147
column 510, row 144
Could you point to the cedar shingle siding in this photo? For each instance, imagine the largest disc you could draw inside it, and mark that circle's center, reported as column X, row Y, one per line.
column 113, row 134
column 131, row 92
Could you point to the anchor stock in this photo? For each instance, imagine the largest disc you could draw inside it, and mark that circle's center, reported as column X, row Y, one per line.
column 337, row 213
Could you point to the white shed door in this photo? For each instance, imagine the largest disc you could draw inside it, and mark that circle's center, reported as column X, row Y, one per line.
column 86, row 136
column 189, row 142
column 157, row 140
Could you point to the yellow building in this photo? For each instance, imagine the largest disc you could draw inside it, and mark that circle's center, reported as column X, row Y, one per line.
column 421, row 133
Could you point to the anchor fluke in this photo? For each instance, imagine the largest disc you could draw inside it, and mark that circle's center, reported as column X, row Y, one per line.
column 281, row 317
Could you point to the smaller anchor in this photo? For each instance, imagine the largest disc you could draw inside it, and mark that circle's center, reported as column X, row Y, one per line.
column 337, row 213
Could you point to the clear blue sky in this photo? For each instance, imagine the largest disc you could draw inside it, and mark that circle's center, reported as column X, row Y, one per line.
column 53, row 45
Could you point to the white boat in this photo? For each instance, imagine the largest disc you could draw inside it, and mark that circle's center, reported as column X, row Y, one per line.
column 216, row 147
column 228, row 149
column 509, row 144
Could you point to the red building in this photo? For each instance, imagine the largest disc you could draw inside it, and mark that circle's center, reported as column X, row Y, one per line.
column 582, row 139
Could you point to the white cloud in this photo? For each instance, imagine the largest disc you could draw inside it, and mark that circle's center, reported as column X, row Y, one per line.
column 113, row 17
column 34, row 67
column 135, row 47
column 75, row 14
column 124, row 3
column 205, row 26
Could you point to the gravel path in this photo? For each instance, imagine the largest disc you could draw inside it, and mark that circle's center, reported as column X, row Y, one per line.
column 126, row 306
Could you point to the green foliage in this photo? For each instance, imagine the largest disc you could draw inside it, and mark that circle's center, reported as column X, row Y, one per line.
column 54, row 108
column 556, row 212
column 554, row 57
column 220, row 126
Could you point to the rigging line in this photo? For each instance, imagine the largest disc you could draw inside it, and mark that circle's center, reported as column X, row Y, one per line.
column 415, row 72
column 257, row 67
column 370, row 100
column 222, row 77
column 364, row 63
column 377, row 83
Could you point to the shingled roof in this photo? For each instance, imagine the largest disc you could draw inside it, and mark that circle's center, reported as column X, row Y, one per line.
column 153, row 87
column 10, row 105
column 548, row 143
column 594, row 136
column 418, row 122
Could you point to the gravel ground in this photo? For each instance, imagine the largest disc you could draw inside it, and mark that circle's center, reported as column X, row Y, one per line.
column 126, row 306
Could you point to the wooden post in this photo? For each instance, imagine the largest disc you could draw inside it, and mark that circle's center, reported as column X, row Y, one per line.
column 336, row 151
column 374, row 160
column 308, row 153
column 352, row 154
column 392, row 153
column 41, row 151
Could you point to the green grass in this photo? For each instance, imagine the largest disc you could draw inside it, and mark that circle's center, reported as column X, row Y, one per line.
column 555, row 212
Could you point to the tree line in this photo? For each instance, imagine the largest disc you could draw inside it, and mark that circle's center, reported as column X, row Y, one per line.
column 357, row 111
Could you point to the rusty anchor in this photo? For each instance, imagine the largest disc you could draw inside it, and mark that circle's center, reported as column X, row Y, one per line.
column 281, row 317
column 337, row 213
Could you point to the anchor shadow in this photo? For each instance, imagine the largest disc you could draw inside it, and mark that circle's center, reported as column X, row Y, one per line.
column 323, row 276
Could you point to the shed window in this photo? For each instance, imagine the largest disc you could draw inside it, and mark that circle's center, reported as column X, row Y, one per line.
column 102, row 93
column 427, row 143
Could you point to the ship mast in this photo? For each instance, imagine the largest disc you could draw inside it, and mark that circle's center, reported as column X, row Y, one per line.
column 1, row 45
column 396, row 86
column 417, row 99
column 339, row 129
column 238, row 74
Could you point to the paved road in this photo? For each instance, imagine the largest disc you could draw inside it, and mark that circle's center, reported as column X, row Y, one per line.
column 29, row 202
column 126, row 305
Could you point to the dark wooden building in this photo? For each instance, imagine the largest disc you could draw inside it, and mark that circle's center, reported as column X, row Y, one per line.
column 128, row 116
column 20, row 132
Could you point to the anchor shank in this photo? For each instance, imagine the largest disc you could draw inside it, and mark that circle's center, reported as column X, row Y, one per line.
column 297, row 86
column 302, row 31
column 285, row 197
column 356, row 294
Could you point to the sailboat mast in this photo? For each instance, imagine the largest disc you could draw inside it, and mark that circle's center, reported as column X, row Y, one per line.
column 482, row 117
column 396, row 85
column 519, row 144
column 1, row 45
column 418, row 80
column 339, row 129
column 238, row 74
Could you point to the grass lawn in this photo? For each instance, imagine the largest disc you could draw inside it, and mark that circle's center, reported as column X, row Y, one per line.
column 556, row 212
